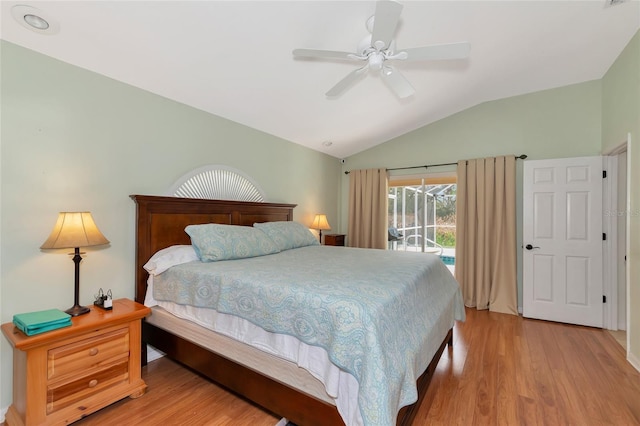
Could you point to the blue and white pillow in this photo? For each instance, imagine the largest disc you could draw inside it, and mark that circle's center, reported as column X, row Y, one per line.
column 214, row 242
column 288, row 235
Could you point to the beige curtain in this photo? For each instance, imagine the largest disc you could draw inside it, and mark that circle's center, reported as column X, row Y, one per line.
column 486, row 233
column 368, row 192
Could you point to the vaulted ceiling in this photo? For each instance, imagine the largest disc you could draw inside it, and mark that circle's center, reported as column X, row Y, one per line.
column 234, row 58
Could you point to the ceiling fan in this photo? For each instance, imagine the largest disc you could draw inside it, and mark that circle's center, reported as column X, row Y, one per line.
column 378, row 48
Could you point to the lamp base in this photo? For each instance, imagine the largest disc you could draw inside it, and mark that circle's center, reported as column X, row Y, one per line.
column 76, row 310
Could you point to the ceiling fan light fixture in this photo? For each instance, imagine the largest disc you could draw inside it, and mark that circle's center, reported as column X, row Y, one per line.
column 376, row 59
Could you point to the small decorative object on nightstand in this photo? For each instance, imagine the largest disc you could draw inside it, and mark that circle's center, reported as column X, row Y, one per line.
column 66, row 374
column 334, row 239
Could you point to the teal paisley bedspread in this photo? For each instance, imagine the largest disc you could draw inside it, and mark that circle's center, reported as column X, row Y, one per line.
column 371, row 310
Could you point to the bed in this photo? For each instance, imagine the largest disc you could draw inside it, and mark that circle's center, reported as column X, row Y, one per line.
column 270, row 381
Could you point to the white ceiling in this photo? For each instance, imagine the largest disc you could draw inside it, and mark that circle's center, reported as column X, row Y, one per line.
column 233, row 58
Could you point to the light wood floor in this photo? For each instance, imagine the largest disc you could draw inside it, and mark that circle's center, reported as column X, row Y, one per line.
column 502, row 370
column 620, row 336
column 512, row 371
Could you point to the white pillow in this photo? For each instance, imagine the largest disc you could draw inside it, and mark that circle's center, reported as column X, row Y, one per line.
column 170, row 256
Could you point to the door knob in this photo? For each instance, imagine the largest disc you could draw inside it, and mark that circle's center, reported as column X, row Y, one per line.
column 530, row 247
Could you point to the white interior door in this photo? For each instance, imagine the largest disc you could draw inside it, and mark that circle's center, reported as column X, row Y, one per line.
column 562, row 240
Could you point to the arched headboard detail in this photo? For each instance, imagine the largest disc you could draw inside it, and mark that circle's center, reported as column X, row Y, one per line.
column 216, row 182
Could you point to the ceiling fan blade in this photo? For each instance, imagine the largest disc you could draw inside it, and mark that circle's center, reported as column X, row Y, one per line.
column 325, row 54
column 344, row 84
column 440, row 51
column 385, row 22
column 397, row 82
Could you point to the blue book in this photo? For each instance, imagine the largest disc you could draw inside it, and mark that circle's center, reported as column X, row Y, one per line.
column 31, row 323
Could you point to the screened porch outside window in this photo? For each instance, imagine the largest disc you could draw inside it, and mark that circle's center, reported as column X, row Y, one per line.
column 422, row 217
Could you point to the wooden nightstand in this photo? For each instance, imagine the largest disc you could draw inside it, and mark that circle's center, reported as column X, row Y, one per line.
column 334, row 239
column 66, row 374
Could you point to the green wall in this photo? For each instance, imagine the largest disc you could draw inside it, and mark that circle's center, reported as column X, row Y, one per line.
column 75, row 140
column 620, row 118
column 550, row 123
column 563, row 122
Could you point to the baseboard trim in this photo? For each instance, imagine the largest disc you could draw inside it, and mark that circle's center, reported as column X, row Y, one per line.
column 3, row 413
column 633, row 360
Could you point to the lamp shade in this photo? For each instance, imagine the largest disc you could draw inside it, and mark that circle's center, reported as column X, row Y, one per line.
column 74, row 229
column 320, row 222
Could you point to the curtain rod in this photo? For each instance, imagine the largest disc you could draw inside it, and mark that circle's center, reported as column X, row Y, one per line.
column 519, row 157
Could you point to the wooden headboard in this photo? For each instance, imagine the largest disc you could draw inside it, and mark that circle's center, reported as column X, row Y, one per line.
column 160, row 223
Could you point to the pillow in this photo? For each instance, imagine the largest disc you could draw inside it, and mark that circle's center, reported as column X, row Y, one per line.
column 288, row 235
column 214, row 242
column 168, row 257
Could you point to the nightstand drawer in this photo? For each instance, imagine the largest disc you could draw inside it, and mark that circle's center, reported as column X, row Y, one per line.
column 79, row 356
column 334, row 239
column 64, row 393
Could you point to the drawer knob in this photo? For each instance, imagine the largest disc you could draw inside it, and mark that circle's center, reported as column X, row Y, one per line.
column 93, row 352
column 92, row 383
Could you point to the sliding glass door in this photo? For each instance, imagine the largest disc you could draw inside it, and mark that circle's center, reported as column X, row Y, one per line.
column 422, row 216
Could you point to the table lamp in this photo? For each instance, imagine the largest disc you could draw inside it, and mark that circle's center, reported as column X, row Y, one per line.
column 75, row 230
column 320, row 223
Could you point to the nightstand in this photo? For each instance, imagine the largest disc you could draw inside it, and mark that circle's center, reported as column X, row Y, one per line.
column 66, row 374
column 334, row 239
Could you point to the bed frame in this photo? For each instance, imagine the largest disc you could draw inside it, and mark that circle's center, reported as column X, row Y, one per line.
column 160, row 223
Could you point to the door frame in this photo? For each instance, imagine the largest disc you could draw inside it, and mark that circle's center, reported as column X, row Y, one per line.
column 610, row 249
